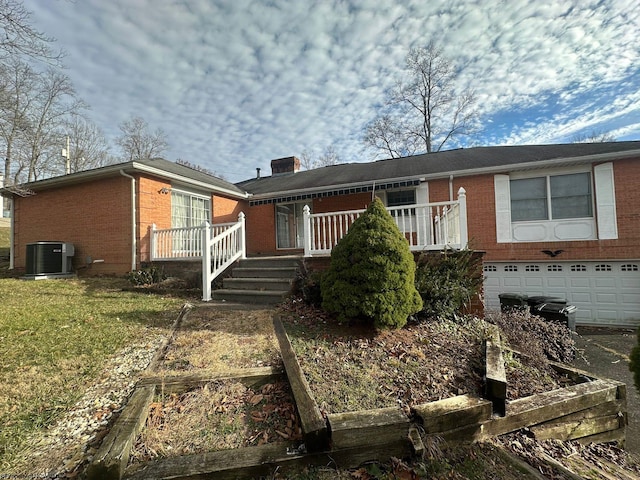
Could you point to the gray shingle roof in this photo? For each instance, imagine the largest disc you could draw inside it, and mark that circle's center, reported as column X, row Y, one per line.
column 160, row 166
column 441, row 164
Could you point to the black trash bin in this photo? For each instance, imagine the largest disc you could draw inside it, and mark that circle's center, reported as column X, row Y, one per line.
column 558, row 312
column 536, row 300
column 512, row 301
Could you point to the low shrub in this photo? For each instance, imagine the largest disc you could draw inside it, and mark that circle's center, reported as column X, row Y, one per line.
column 535, row 336
column 447, row 281
column 146, row 276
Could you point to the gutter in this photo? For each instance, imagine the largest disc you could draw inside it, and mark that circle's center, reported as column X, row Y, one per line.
column 134, row 243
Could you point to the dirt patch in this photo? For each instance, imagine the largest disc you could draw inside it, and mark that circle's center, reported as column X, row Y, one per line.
column 216, row 340
column 352, row 367
column 217, row 416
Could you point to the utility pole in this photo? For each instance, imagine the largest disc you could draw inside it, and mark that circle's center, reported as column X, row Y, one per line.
column 66, row 153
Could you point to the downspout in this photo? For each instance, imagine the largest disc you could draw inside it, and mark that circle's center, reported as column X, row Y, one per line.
column 133, row 219
column 451, row 188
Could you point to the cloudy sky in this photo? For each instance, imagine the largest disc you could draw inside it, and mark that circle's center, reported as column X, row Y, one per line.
column 237, row 83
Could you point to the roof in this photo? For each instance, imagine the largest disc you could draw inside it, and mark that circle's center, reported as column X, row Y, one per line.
column 155, row 166
column 467, row 161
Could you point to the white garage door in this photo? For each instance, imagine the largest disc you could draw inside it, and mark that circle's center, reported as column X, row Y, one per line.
column 606, row 293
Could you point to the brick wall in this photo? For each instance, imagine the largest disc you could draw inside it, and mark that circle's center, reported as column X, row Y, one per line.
column 94, row 216
column 355, row 201
column 227, row 209
column 153, row 206
column 261, row 229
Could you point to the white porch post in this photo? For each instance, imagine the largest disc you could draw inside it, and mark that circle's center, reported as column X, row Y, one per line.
column 464, row 233
column 206, row 262
column 306, row 214
column 152, row 242
column 243, row 234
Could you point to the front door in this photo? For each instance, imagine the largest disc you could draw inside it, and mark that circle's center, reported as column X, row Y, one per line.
column 289, row 225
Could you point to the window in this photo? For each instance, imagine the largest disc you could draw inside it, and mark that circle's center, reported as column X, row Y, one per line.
column 532, row 268
column 551, row 197
column 399, row 198
column 402, row 197
column 189, row 210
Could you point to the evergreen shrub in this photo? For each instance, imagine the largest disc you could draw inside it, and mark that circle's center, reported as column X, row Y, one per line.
column 447, row 281
column 372, row 273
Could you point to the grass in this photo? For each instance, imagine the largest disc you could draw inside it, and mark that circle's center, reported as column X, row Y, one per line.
column 56, row 336
column 216, row 340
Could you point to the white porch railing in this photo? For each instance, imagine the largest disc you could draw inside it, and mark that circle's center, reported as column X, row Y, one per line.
column 431, row 226
column 218, row 246
column 220, row 251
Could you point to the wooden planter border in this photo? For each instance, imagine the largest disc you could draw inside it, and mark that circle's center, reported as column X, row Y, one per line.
column 593, row 410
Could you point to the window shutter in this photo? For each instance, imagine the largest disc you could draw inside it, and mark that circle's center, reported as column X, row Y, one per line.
column 503, row 208
column 605, row 201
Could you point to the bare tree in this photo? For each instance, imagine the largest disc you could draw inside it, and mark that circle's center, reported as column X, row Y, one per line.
column 18, row 38
column 328, row 157
column 138, row 143
column 54, row 100
column 88, row 147
column 17, row 83
column 596, row 136
column 423, row 111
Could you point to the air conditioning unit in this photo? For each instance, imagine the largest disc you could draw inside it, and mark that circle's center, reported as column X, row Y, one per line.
column 49, row 258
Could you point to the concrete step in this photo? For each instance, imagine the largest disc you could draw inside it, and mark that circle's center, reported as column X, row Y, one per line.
column 264, row 297
column 270, row 262
column 274, row 284
column 264, row 272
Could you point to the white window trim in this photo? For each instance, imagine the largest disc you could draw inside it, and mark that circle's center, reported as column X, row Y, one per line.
column 603, row 222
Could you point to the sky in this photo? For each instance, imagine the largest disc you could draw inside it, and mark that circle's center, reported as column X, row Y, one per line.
column 237, row 83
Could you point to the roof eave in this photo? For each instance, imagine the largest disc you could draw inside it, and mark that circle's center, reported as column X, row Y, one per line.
column 538, row 164
column 130, row 167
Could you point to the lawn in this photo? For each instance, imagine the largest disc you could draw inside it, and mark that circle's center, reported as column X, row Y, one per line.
column 56, row 336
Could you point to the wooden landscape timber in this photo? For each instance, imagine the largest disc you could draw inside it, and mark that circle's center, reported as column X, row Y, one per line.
column 591, row 409
column 460, row 417
column 382, row 426
column 495, row 378
column 111, row 459
column 250, row 377
column 314, row 425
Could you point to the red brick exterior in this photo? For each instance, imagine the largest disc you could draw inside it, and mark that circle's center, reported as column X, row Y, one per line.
column 355, row 201
column 94, row 216
column 227, row 209
column 261, row 230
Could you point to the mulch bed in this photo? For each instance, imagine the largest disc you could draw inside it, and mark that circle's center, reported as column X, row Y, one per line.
column 353, row 367
column 217, row 416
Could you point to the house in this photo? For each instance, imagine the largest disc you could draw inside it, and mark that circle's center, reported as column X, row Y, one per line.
column 108, row 213
column 557, row 220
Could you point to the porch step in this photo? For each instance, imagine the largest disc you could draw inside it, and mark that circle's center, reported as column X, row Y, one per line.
column 255, row 283
column 262, row 297
column 264, row 272
column 263, row 280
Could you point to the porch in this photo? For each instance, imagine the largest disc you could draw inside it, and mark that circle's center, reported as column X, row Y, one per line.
column 429, row 226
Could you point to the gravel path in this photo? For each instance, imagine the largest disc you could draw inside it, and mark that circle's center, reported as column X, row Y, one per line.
column 70, row 444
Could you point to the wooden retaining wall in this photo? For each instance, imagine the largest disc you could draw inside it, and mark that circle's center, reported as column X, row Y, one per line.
column 591, row 410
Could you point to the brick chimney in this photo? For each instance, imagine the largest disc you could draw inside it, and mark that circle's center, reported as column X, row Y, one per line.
column 281, row 166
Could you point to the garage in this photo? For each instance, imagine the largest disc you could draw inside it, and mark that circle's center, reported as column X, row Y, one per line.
column 606, row 293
